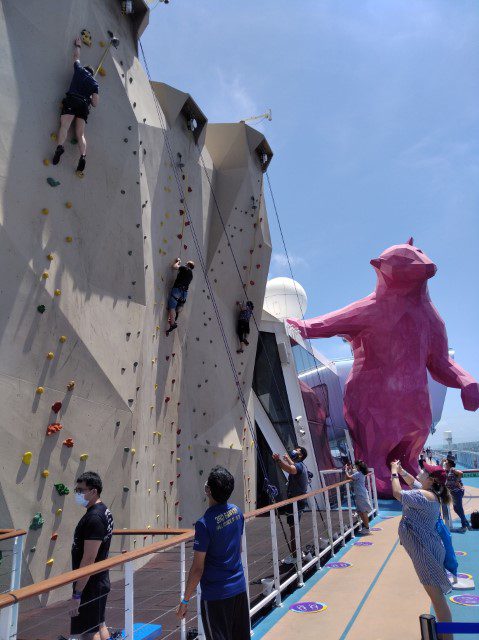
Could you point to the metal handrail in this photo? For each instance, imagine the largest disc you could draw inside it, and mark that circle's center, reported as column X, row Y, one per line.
column 8, row 534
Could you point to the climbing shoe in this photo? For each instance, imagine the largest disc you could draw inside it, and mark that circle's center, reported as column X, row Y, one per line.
column 245, row 342
column 81, row 164
column 172, row 328
column 58, row 154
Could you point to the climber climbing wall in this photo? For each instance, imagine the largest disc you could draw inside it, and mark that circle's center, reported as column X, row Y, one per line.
column 88, row 379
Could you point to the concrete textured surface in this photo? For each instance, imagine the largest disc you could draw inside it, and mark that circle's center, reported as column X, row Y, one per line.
column 172, row 401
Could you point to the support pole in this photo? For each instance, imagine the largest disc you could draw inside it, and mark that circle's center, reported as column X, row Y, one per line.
column 129, row 599
column 274, row 546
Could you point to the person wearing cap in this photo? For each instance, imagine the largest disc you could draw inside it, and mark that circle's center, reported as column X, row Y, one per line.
column 418, row 535
column 456, row 489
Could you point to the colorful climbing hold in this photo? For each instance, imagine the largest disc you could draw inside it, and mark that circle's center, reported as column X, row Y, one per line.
column 27, row 457
column 56, row 406
column 50, row 562
column 126, row 489
column 45, row 473
column 55, row 427
column 46, row 162
column 68, row 204
column 63, row 339
column 50, row 256
column 102, row 72
column 71, row 385
column 133, row 451
column 45, row 211
column 83, row 457
column 59, row 511
column 45, row 275
column 50, row 355
column 62, row 490
column 53, row 136
column 41, row 308
column 52, row 182
column 37, row 522
column 68, row 443
column 40, row 390
column 57, row 292
column 69, row 239
column 54, row 536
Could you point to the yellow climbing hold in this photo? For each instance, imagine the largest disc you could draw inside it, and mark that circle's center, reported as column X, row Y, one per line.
column 101, row 43
column 50, row 562
column 149, row 526
column 149, row 490
column 50, row 256
column 178, row 459
column 83, row 457
column 63, row 339
column 45, row 211
column 158, row 481
column 156, row 387
column 68, row 204
column 46, row 162
column 53, row 136
column 59, row 511
column 27, row 457
column 45, row 275
column 45, row 473
column 231, row 445
column 68, row 239
column 58, row 292
column 40, row 390
column 167, row 215
column 50, row 355
column 133, row 451
column 102, row 72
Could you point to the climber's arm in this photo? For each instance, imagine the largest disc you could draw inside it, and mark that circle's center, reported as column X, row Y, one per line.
column 347, row 321
column 94, row 100
column 76, row 49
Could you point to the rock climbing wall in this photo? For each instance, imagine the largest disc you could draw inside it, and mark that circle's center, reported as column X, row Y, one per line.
column 88, row 378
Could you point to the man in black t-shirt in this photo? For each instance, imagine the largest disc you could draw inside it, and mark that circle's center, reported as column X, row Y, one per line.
column 179, row 291
column 82, row 93
column 91, row 543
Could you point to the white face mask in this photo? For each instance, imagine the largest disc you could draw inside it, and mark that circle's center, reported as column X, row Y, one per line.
column 81, row 500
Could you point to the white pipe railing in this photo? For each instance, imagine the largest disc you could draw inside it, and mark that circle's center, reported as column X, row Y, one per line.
column 281, row 580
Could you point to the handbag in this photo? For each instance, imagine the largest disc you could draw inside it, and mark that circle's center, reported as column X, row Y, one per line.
column 450, row 560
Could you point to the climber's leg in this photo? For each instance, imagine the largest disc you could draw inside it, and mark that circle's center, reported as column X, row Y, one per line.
column 80, row 134
column 65, row 122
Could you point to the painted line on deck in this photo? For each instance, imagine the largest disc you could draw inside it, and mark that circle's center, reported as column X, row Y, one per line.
column 368, row 592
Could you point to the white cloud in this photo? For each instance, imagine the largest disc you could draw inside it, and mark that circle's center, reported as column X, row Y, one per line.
column 280, row 261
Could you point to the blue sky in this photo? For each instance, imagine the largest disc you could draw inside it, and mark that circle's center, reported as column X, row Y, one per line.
column 375, row 133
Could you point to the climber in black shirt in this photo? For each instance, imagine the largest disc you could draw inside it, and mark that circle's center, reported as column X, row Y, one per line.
column 179, row 291
column 91, row 543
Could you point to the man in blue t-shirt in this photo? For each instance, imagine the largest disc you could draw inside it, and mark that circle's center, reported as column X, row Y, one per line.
column 217, row 564
column 82, row 93
column 298, row 480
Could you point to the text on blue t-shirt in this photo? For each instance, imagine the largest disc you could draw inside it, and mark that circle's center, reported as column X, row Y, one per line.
column 218, row 533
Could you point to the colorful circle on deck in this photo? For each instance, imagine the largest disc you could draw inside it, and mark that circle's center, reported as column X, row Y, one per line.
column 466, row 600
column 460, row 576
column 461, row 553
column 308, row 607
column 363, row 544
column 338, row 565
column 376, row 529
column 386, row 517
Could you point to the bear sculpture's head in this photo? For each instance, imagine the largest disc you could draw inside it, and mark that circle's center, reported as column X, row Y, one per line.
column 404, row 265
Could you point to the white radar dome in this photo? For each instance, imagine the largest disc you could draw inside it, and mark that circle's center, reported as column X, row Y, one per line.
column 285, row 298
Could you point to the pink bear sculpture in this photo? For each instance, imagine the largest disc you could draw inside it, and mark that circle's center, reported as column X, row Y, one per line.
column 396, row 335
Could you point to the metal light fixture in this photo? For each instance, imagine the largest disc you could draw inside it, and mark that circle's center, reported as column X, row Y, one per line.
column 192, row 124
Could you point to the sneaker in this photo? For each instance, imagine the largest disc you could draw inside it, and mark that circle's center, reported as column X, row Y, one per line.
column 307, row 557
column 462, row 530
column 289, row 560
column 58, row 154
column 364, row 532
column 246, row 342
column 239, row 351
column 81, row 164
column 172, row 328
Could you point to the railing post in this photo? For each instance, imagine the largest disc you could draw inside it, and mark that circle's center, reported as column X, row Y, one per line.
column 244, row 559
column 350, row 509
column 9, row 615
column 375, row 492
column 328, row 521
column 428, row 627
column 201, row 631
column 313, row 507
column 129, row 599
column 182, row 586
column 297, row 537
column 274, row 547
column 340, row 513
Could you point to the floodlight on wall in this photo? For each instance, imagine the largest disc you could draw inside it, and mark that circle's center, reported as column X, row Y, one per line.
column 302, row 432
column 126, row 7
column 298, row 418
column 192, row 124
column 264, row 158
column 180, row 164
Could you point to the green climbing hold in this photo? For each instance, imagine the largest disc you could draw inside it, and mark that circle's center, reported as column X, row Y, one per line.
column 126, row 489
column 37, row 522
column 73, row 140
column 41, row 308
column 52, row 182
column 200, row 472
column 61, row 489
column 126, row 449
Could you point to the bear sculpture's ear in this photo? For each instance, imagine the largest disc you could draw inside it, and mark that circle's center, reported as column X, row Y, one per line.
column 376, row 262
column 410, row 241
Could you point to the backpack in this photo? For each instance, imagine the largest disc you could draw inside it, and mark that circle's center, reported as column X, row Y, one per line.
column 475, row 519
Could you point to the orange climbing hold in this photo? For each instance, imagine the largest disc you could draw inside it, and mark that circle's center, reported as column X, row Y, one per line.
column 46, row 162
column 102, row 72
column 68, row 443
column 45, row 211
column 55, row 427
column 68, row 204
column 45, row 473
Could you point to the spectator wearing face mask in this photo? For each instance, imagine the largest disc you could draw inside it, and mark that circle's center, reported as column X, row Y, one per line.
column 293, row 464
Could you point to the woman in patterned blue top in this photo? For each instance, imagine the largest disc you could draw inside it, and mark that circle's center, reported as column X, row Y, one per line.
column 418, row 535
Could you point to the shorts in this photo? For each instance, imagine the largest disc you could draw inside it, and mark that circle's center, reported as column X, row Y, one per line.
column 242, row 328
column 91, row 614
column 289, row 512
column 177, row 298
column 226, row 619
column 73, row 106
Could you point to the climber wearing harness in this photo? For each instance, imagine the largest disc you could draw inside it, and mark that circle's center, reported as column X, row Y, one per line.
column 242, row 328
column 82, row 93
column 179, row 291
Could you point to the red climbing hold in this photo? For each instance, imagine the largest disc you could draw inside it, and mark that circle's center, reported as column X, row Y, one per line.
column 187, row 223
column 172, row 482
column 177, row 503
column 251, row 282
column 258, row 266
column 167, row 358
column 178, row 431
column 173, row 381
column 68, row 443
column 180, row 518
column 181, row 212
column 179, row 236
column 251, row 251
column 55, row 427
column 178, row 475
column 185, row 247
column 167, row 399
column 190, row 189
column 54, row 536
column 56, row 407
